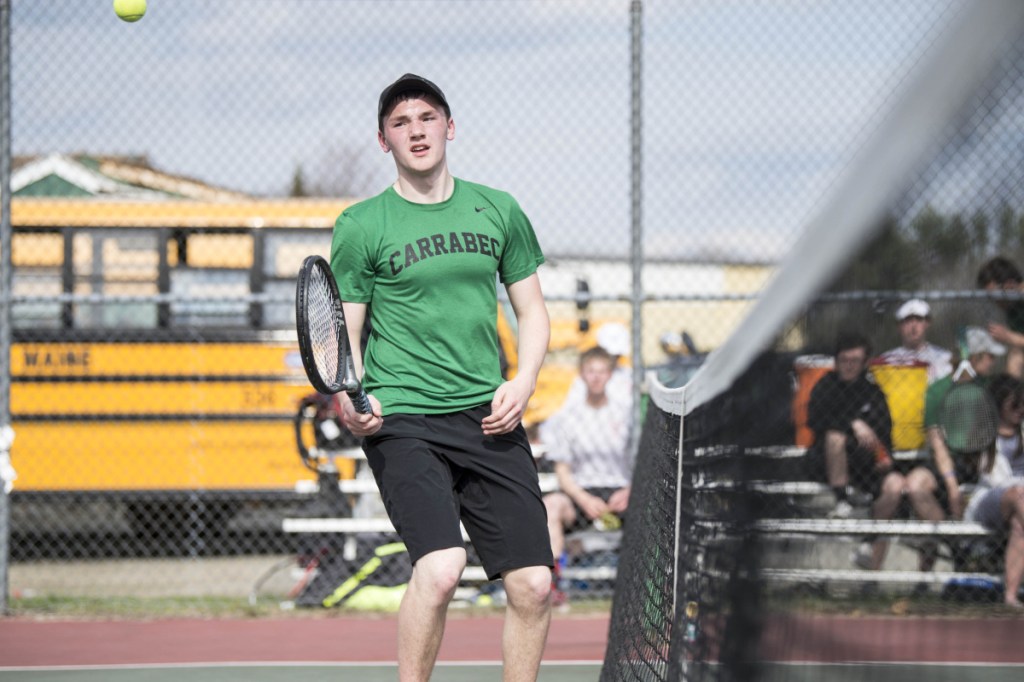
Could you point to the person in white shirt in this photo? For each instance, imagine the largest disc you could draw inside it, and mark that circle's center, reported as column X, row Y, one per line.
column 914, row 318
column 998, row 499
column 614, row 338
column 588, row 443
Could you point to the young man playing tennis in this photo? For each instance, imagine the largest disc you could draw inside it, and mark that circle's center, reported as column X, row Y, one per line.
column 444, row 440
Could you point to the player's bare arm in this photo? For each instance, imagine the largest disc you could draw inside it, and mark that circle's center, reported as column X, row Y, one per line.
column 359, row 424
column 511, row 398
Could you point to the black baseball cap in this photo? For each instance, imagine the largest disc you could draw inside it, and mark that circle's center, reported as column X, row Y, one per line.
column 409, row 81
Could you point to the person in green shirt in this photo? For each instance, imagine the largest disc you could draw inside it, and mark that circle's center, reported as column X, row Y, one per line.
column 947, row 472
column 1000, row 274
column 421, row 261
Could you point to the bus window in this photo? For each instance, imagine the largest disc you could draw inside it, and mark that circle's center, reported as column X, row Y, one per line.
column 114, row 263
column 209, row 283
column 37, row 259
column 229, row 251
column 284, row 251
column 279, row 315
column 287, row 249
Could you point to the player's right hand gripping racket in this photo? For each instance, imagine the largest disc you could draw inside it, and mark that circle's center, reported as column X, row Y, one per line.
column 323, row 334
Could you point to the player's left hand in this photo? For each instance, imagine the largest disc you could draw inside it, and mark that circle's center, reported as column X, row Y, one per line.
column 361, row 425
column 507, row 407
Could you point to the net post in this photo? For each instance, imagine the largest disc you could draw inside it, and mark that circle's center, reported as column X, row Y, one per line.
column 677, row 661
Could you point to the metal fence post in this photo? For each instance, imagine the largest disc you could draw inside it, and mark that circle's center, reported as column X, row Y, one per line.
column 5, row 292
column 636, row 209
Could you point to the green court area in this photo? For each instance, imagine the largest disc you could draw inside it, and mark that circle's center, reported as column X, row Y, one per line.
column 486, row 672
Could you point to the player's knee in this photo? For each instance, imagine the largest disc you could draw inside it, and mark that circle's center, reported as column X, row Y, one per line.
column 439, row 573
column 440, row 585
column 528, row 587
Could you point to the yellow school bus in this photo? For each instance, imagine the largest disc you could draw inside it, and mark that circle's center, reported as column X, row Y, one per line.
column 154, row 354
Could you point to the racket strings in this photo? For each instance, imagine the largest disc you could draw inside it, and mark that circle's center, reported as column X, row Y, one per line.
column 324, row 330
column 969, row 419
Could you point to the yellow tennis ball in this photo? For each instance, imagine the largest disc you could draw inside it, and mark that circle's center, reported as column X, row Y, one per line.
column 130, row 10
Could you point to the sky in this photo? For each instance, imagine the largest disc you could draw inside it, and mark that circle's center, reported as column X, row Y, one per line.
column 749, row 108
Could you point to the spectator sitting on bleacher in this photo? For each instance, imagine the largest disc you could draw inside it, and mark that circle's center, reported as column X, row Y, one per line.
column 908, row 481
column 613, row 337
column 1002, row 274
column 914, row 318
column 982, row 351
column 852, row 425
column 588, row 442
column 998, row 499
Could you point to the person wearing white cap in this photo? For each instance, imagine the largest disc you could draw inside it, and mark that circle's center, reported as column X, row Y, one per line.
column 978, row 366
column 914, row 318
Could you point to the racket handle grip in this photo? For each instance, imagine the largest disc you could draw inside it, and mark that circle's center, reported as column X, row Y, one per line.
column 360, row 401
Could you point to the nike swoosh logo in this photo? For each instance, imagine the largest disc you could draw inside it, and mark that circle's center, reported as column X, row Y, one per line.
column 481, row 208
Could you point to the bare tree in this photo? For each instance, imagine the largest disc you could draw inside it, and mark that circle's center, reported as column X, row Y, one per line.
column 339, row 169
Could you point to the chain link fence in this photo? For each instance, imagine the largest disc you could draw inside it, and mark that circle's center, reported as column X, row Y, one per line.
column 169, row 175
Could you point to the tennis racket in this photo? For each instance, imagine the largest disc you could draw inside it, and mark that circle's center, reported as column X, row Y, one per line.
column 969, row 419
column 323, row 334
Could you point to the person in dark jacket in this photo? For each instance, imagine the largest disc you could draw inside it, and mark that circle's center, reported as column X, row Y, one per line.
column 851, row 423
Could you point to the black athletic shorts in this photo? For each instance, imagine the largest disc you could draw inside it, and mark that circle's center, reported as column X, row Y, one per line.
column 435, row 469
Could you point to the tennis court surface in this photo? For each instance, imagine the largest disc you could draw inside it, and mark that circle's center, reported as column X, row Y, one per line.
column 358, row 648
column 363, row 648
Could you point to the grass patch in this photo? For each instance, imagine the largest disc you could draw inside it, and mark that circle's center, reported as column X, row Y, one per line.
column 135, row 608
column 150, row 608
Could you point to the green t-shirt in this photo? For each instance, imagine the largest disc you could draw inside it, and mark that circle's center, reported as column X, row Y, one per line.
column 933, row 398
column 936, row 394
column 428, row 273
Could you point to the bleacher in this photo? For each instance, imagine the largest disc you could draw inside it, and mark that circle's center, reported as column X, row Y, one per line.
column 592, row 552
column 804, row 546
column 829, row 543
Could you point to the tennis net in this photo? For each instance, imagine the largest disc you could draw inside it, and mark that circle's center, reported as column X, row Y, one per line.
column 739, row 555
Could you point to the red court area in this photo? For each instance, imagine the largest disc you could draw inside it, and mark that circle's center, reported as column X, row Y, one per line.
column 26, row 642
column 890, row 640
